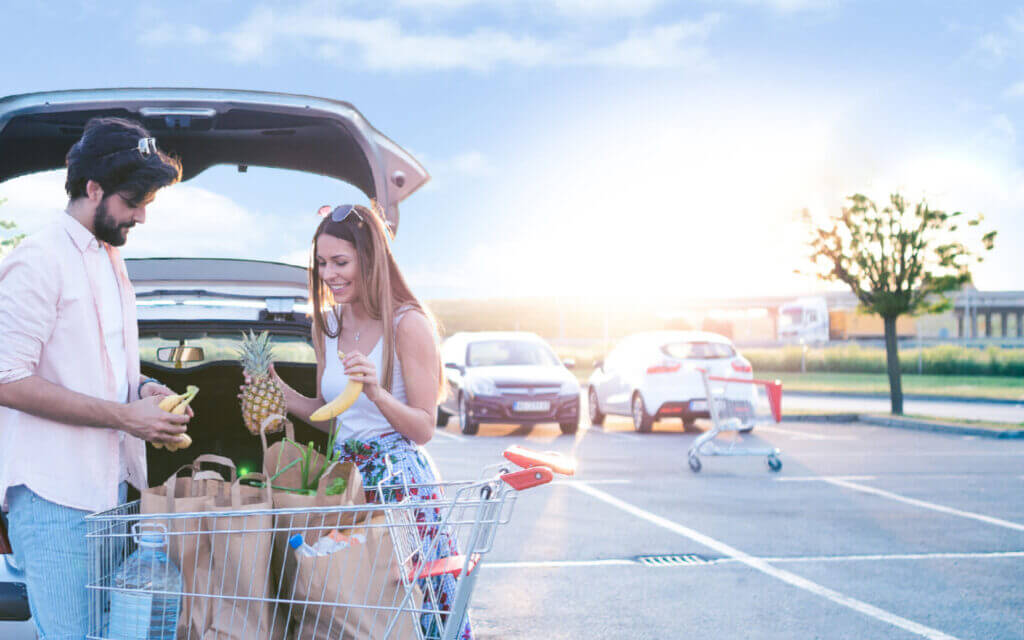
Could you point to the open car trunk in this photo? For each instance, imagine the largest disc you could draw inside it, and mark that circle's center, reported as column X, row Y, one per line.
column 207, row 127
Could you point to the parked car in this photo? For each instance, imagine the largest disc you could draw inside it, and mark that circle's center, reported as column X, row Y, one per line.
column 192, row 311
column 655, row 375
column 511, row 377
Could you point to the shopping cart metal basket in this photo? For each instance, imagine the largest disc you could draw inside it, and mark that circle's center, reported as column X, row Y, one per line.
column 392, row 581
column 737, row 405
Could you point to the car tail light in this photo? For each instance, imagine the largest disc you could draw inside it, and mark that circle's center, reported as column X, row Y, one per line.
column 665, row 367
column 741, row 366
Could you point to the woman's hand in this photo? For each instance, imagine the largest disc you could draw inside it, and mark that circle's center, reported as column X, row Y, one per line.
column 248, row 381
column 359, row 369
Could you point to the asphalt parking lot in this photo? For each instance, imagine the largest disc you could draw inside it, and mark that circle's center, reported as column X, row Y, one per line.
column 867, row 532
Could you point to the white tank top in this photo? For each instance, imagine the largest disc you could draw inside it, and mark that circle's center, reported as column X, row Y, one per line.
column 363, row 420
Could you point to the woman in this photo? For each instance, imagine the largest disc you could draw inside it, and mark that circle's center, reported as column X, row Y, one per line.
column 363, row 308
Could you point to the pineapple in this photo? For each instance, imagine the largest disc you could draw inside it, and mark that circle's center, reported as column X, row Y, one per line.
column 263, row 396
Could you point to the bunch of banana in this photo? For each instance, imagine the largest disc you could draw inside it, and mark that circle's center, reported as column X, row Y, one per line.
column 177, row 405
column 341, row 403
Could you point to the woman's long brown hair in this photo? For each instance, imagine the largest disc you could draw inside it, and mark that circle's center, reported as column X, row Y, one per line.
column 382, row 285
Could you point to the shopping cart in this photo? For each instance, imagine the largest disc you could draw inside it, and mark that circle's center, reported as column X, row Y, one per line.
column 392, row 582
column 737, row 405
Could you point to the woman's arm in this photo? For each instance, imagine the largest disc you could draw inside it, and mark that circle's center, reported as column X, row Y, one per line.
column 417, row 351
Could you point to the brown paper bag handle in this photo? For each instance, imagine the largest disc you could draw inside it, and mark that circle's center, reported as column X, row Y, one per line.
column 353, row 472
column 289, row 432
column 236, row 492
column 215, row 459
column 170, row 485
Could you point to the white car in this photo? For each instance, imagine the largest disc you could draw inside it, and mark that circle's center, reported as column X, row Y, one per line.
column 655, row 375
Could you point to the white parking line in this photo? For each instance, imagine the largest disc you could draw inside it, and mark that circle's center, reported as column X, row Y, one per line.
column 821, row 478
column 561, row 564
column 803, row 435
column 926, row 505
column 884, row 557
column 445, row 434
column 764, row 567
column 608, row 481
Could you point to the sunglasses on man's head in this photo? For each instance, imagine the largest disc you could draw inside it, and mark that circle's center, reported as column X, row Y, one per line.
column 340, row 213
column 146, row 147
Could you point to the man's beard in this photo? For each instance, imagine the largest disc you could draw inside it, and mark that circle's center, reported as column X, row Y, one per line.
column 107, row 229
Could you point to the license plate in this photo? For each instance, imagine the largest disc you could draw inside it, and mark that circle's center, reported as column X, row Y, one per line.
column 531, row 405
column 698, row 405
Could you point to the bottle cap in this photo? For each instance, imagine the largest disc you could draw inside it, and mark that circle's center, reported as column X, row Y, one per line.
column 295, row 541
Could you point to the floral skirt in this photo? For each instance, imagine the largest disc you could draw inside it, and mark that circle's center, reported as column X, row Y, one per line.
column 412, row 463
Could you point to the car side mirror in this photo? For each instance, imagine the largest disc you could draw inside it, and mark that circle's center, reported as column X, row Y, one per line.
column 178, row 355
column 570, row 363
column 457, row 367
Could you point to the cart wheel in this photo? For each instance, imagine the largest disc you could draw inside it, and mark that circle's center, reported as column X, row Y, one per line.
column 694, row 463
column 774, row 463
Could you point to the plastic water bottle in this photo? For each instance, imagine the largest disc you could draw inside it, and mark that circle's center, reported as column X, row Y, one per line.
column 146, row 614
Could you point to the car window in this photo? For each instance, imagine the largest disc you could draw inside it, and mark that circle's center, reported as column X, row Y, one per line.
column 224, row 347
column 698, row 350
column 495, row 353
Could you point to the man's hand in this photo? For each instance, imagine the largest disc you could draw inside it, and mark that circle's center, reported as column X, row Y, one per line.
column 145, row 419
column 155, row 389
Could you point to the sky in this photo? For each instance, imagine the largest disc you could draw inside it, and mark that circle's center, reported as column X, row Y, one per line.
column 601, row 149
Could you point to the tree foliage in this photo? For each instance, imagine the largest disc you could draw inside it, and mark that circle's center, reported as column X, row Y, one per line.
column 898, row 259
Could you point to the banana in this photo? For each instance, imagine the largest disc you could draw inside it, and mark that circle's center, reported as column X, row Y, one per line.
column 177, row 405
column 341, row 403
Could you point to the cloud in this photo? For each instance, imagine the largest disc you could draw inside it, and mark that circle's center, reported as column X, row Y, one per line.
column 183, row 221
column 1015, row 90
column 385, row 44
column 679, row 44
column 995, row 45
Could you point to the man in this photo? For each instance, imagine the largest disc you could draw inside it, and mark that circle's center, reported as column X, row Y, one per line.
column 74, row 413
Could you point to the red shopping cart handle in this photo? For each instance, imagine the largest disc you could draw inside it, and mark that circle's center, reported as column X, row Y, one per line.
column 444, row 566
column 526, row 478
column 553, row 460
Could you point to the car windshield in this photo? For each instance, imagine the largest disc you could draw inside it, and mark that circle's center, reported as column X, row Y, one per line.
column 220, row 347
column 497, row 353
column 698, row 350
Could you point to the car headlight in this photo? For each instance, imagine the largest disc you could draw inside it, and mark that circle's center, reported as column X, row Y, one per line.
column 483, row 387
column 569, row 388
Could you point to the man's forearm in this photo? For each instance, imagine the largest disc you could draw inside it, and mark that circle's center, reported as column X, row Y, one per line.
column 40, row 397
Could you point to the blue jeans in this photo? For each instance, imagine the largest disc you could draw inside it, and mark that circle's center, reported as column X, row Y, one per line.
column 49, row 545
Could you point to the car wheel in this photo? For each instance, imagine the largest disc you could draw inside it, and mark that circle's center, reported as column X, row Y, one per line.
column 689, row 424
column 442, row 417
column 642, row 421
column 569, row 428
column 596, row 417
column 469, row 427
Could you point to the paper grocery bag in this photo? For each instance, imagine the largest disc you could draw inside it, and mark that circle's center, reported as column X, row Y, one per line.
column 362, row 586
column 188, row 544
column 241, row 545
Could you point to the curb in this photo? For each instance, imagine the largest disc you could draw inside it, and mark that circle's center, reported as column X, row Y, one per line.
column 939, row 427
column 906, row 396
column 907, row 423
column 822, row 417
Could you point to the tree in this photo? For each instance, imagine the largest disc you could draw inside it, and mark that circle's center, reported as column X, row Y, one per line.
column 7, row 244
column 896, row 261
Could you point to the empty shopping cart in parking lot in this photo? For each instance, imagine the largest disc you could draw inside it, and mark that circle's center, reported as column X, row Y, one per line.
column 382, row 569
column 737, row 405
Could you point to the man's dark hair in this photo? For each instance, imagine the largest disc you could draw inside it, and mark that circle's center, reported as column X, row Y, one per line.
column 108, row 153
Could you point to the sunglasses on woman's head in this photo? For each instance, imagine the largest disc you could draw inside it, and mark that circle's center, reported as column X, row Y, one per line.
column 340, row 213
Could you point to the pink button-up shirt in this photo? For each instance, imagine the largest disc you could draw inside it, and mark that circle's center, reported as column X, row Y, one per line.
column 51, row 326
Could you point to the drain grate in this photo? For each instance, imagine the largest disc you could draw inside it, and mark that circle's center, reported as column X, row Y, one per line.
column 676, row 560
